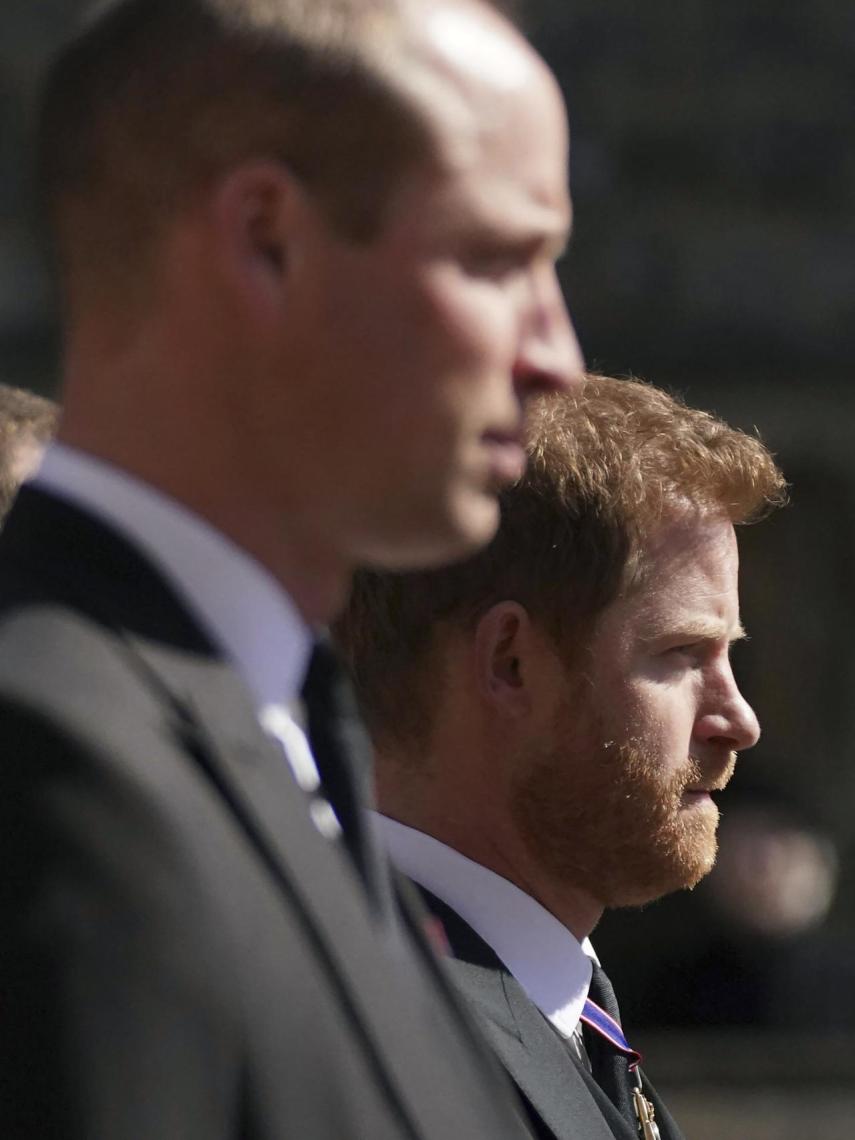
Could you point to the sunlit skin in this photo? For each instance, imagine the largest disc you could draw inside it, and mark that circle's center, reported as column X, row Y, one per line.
column 326, row 403
column 591, row 786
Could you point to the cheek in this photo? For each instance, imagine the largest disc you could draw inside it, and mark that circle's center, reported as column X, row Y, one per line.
column 472, row 318
column 660, row 717
column 447, row 357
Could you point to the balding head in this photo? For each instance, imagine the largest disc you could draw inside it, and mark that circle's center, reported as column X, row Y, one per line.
column 157, row 99
column 318, row 238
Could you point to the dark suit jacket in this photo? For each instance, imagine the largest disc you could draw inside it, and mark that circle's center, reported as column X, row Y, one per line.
column 182, row 955
column 561, row 1097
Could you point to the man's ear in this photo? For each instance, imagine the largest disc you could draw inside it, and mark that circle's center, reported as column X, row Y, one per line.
column 259, row 211
column 503, row 645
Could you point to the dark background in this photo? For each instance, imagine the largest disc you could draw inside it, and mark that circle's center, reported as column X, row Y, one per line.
column 713, row 172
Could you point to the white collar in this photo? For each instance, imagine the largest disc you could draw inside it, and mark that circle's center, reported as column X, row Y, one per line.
column 240, row 605
column 552, row 967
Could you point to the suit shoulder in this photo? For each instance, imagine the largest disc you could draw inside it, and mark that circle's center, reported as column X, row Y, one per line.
column 60, row 664
column 78, row 720
column 92, row 769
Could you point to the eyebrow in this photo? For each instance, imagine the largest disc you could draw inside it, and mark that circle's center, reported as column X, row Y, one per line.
column 560, row 244
column 694, row 629
column 562, row 238
column 553, row 242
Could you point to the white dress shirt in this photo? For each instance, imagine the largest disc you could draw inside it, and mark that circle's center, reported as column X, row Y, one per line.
column 553, row 968
column 241, row 607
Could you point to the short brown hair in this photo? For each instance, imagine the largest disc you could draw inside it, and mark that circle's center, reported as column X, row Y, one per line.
column 155, row 99
column 24, row 418
column 606, row 464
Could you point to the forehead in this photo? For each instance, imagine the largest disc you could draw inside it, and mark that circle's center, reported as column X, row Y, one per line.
column 689, row 583
column 495, row 112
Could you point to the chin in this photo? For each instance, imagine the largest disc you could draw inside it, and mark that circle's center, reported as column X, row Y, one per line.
column 461, row 529
column 431, row 539
column 662, row 881
column 474, row 514
column 677, row 863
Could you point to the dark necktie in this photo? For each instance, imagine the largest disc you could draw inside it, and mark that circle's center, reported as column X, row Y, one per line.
column 610, row 1062
column 342, row 754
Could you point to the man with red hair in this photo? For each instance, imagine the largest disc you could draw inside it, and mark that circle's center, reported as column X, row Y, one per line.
column 552, row 718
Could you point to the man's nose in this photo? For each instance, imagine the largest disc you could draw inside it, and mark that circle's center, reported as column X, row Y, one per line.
column 549, row 357
column 732, row 724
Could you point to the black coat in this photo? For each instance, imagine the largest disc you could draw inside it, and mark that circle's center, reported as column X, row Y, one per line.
column 561, row 1097
column 182, row 955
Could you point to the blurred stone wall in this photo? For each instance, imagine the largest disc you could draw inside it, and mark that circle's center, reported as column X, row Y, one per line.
column 714, row 180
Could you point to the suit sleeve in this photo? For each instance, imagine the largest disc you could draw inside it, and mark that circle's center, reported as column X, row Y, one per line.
column 114, row 1003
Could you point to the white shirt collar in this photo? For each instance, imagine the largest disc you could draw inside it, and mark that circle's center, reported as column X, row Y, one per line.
column 552, row 967
column 239, row 604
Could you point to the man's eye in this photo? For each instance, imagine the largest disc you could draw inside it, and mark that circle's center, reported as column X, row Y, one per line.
column 690, row 650
column 497, row 259
column 494, row 264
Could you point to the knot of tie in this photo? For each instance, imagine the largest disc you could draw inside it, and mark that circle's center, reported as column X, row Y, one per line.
column 342, row 754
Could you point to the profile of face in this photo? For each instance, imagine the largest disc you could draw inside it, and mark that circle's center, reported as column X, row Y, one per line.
column 613, row 788
column 418, row 349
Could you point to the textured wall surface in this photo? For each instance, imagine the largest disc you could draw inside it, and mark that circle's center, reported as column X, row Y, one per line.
column 714, row 177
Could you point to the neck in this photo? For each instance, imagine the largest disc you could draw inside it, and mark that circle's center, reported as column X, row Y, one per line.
column 190, row 454
column 485, row 837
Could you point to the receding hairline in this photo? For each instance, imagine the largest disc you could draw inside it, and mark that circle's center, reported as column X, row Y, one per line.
column 252, row 40
column 186, row 91
column 469, row 60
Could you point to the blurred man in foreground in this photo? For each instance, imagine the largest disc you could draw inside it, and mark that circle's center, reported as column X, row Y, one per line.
column 305, row 252
column 552, row 717
column 27, row 423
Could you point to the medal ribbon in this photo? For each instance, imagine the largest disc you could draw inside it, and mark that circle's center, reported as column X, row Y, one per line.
column 607, row 1027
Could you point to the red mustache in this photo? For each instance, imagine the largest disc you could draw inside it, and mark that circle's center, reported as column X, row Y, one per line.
column 708, row 775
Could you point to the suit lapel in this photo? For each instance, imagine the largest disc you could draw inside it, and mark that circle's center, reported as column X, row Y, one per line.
column 217, row 725
column 559, row 1090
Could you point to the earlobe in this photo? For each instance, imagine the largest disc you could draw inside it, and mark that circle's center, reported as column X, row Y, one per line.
column 501, row 640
